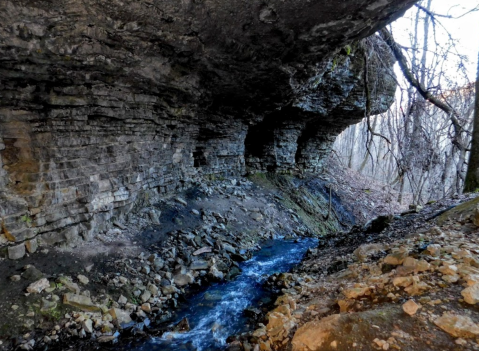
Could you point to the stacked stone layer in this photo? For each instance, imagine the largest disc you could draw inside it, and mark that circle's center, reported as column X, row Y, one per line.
column 107, row 104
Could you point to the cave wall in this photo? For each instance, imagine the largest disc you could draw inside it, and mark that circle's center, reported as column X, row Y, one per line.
column 107, row 104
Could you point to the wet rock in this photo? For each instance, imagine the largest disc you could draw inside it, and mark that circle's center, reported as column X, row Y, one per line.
column 457, row 326
column 38, row 286
column 234, row 272
column 80, row 301
column 182, row 326
column 252, row 312
column 229, row 248
column 215, row 273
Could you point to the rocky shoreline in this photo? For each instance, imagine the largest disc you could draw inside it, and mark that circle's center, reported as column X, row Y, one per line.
column 133, row 275
column 411, row 286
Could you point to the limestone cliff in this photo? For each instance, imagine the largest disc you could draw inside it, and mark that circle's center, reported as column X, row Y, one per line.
column 106, row 102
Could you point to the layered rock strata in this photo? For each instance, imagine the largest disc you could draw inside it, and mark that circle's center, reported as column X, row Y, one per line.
column 106, row 102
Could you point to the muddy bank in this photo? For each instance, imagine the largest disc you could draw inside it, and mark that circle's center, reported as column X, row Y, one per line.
column 140, row 269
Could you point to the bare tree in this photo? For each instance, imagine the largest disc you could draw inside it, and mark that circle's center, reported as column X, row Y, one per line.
column 472, row 177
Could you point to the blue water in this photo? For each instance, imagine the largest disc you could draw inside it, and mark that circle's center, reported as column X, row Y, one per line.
column 217, row 312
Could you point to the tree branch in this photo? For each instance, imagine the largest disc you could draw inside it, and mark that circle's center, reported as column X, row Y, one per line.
column 426, row 94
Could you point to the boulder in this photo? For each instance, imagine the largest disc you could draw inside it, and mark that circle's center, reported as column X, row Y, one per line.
column 471, row 294
column 80, row 301
column 457, row 326
column 38, row 286
column 312, row 335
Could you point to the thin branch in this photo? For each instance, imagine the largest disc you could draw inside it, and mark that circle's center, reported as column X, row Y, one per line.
column 426, row 94
column 433, row 14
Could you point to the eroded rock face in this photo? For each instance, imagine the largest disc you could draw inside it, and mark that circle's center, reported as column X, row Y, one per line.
column 105, row 101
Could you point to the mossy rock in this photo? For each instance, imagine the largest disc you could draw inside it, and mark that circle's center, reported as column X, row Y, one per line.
column 461, row 211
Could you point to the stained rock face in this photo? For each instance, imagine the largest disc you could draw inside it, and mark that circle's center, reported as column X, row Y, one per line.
column 105, row 101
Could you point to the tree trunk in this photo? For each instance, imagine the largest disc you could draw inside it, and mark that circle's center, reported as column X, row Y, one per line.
column 472, row 176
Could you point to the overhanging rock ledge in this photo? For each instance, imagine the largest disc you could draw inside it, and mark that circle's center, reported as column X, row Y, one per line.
column 107, row 103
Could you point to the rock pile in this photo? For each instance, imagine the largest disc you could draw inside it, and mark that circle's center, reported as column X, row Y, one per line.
column 399, row 295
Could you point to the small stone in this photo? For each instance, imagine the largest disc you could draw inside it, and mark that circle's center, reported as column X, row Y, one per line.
column 31, row 273
column 182, row 326
column 396, row 258
column 16, row 252
column 38, row 286
column 81, row 301
column 153, row 289
column 122, row 316
column 82, row 279
column 257, row 216
column 119, row 225
column 181, row 201
column 69, row 284
column 145, row 269
column 199, row 265
column 202, row 250
column 146, row 307
column 15, row 278
column 14, row 307
column 410, row 307
column 122, row 300
column 457, row 326
column 434, row 249
column 195, row 212
column 334, row 344
column 145, row 296
column 183, row 279
column 31, row 245
column 471, row 294
column 154, row 217
column 88, row 326
column 354, row 293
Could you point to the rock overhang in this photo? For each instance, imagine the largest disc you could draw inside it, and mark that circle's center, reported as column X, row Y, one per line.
column 104, row 101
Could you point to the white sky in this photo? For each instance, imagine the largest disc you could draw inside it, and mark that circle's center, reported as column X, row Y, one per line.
column 464, row 30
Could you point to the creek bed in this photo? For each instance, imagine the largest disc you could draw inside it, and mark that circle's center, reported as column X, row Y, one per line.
column 217, row 312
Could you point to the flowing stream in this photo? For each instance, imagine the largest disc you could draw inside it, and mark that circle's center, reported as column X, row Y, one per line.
column 217, row 312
